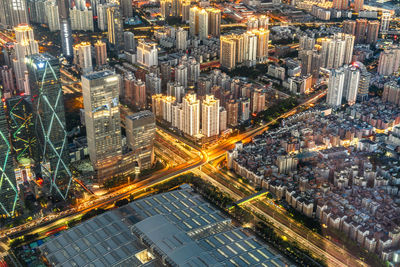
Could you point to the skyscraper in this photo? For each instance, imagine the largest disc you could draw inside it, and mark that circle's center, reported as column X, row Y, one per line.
column 129, row 42
column 227, row 56
column 53, row 18
column 127, row 9
column 257, row 100
column 65, row 26
column 335, row 87
column 210, row 116
column 389, row 61
column 203, row 24
column 181, row 75
column 181, row 39
column 372, row 31
column 25, row 45
column 351, row 82
column 8, row 185
column 115, row 28
column 191, row 115
column 385, row 21
column 140, row 134
column 7, row 78
column 214, row 21
column 22, row 127
column 358, row 5
column 13, row 13
column 262, row 44
column 48, row 106
column 340, row 4
column 147, row 53
column 83, row 56
column 361, row 28
column 139, row 93
column 102, row 117
column 101, row 53
column 349, row 27
column 250, row 46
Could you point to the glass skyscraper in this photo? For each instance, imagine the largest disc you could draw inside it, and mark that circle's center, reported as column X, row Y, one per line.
column 8, row 187
column 48, row 106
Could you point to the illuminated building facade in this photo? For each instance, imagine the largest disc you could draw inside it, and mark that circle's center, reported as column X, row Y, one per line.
column 115, row 28
column 65, row 26
column 8, row 186
column 102, row 117
column 22, row 127
column 140, row 133
column 48, row 107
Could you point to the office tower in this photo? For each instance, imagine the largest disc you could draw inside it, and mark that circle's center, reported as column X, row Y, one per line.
column 385, row 21
column 351, row 82
column 214, row 21
column 52, row 15
column 102, row 17
column 306, row 43
column 335, row 87
column 391, row 93
column 129, row 42
column 25, row 45
column 389, row 61
column 8, row 185
column 102, row 117
column 83, row 57
column 140, row 134
column 340, row 4
column 181, row 39
column 22, row 127
column 227, row 56
column 306, row 57
column 191, row 115
column 165, row 74
column 139, row 92
column 358, row 5
column 203, row 24
column 127, row 9
column 181, row 75
column 349, row 27
column 232, row 109
column 372, row 31
column 257, row 100
column 48, row 107
column 101, row 53
column 13, row 13
column 193, row 70
column 361, row 28
column 252, row 23
column 147, row 53
column 115, row 27
column 81, row 20
column 245, row 109
column 65, row 25
column 7, row 78
column 153, row 84
column 210, row 116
